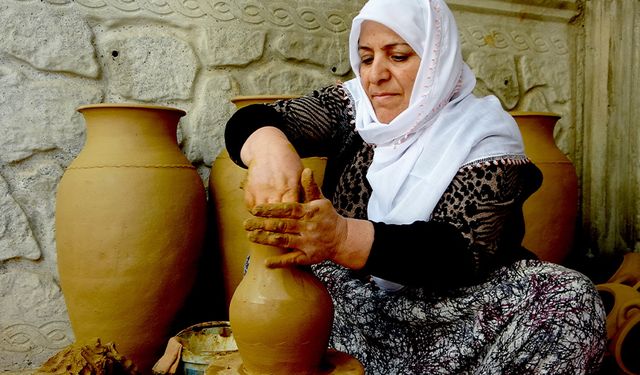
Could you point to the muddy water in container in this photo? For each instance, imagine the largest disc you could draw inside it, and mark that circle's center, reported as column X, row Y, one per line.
column 203, row 343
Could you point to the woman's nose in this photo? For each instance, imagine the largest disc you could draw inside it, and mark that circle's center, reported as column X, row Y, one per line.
column 379, row 71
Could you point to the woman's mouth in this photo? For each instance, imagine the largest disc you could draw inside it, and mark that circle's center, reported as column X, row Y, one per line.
column 382, row 97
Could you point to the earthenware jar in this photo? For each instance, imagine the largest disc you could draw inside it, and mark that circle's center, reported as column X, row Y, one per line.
column 625, row 343
column 614, row 297
column 226, row 201
column 628, row 271
column 550, row 213
column 130, row 223
column 622, row 305
column 227, row 212
column 281, row 318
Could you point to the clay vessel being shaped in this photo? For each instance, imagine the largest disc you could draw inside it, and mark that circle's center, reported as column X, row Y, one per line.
column 226, row 195
column 281, row 318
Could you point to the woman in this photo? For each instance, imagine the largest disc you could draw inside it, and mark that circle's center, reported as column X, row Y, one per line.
column 417, row 236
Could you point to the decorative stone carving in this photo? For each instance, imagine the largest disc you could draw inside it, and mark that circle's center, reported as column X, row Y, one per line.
column 34, row 322
column 220, row 44
column 333, row 16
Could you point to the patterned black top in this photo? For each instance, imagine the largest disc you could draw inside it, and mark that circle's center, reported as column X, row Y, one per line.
column 476, row 227
column 474, row 301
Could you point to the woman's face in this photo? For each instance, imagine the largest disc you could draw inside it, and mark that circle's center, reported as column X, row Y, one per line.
column 388, row 69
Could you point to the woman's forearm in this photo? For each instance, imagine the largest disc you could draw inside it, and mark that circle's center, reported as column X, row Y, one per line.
column 262, row 142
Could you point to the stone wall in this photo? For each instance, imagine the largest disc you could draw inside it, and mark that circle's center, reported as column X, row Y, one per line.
column 543, row 55
column 609, row 136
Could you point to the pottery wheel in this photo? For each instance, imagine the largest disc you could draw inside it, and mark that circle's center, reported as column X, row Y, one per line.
column 334, row 363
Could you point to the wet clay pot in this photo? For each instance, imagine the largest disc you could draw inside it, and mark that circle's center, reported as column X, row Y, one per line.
column 550, row 213
column 629, row 270
column 228, row 210
column 130, row 222
column 281, row 318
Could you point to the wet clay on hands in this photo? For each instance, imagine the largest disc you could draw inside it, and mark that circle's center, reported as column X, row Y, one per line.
column 274, row 168
column 312, row 230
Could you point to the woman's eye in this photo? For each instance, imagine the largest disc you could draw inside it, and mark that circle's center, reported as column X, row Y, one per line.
column 366, row 60
column 399, row 57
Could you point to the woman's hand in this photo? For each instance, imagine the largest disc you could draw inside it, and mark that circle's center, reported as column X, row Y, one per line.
column 312, row 230
column 274, row 169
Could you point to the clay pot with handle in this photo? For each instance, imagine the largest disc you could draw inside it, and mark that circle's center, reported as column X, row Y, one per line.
column 625, row 343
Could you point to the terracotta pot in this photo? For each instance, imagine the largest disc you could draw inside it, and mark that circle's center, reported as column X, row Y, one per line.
column 281, row 318
column 130, row 222
column 625, row 344
column 227, row 214
column 629, row 270
column 228, row 211
column 550, row 213
column 614, row 297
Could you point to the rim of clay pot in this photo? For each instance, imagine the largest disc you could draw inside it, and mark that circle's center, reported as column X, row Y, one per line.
column 266, row 97
column 130, row 105
column 204, row 325
column 204, row 341
column 534, row 113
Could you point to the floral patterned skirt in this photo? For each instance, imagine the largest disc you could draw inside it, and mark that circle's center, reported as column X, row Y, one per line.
column 531, row 317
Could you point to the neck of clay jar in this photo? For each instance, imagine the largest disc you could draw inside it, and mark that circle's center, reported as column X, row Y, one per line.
column 260, row 253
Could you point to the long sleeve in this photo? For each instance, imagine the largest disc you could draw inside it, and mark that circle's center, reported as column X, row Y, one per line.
column 476, row 227
column 423, row 253
column 243, row 123
column 312, row 123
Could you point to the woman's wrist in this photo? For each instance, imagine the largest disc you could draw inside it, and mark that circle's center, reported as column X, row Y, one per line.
column 354, row 251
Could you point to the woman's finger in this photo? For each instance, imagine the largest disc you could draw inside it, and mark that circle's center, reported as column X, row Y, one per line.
column 293, row 258
column 272, row 238
column 272, row 225
column 288, row 209
column 309, row 186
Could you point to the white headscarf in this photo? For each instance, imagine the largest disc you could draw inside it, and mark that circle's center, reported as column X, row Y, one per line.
column 444, row 128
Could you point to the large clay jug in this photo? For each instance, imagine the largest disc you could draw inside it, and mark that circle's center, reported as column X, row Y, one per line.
column 226, row 199
column 550, row 213
column 130, row 223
